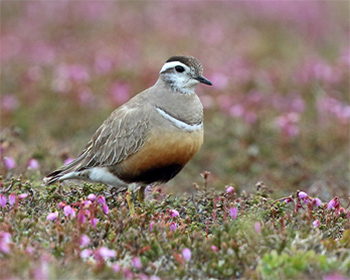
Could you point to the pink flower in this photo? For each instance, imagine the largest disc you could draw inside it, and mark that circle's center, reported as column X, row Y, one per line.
column 93, row 222
column 105, row 208
column 230, row 189
column 173, row 213
column 334, row 203
column 186, row 253
column 151, row 226
column 250, row 117
column 87, row 203
column 5, row 240
column 33, row 164
column 68, row 161
column 316, row 202
column 69, row 211
column 173, row 226
column 9, row 163
column 3, row 200
column 62, row 204
column 237, row 110
column 91, row 197
column 85, row 96
column 102, row 64
column 77, row 72
column 219, row 80
column 136, row 262
column 257, row 227
column 52, row 216
column 214, row 248
column 120, row 92
column 334, row 276
column 12, row 198
column 101, row 199
column 288, row 124
column 316, row 223
column 116, row 267
column 302, row 195
column 9, row 102
column 233, row 212
column 85, row 253
column 30, row 250
column 22, row 195
column 288, row 200
column 107, row 253
column 81, row 216
column 84, row 240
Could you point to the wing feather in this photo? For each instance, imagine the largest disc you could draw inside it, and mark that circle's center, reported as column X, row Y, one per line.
column 120, row 136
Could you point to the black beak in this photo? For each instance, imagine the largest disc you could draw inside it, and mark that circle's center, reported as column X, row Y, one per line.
column 203, row 80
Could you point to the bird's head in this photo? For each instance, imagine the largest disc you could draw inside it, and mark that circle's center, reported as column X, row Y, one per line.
column 183, row 74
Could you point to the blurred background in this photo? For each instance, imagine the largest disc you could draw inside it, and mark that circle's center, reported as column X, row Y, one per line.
column 278, row 111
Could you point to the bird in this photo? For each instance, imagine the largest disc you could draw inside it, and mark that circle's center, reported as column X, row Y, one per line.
column 150, row 138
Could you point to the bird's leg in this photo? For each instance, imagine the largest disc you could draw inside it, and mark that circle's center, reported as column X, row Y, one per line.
column 130, row 198
column 142, row 194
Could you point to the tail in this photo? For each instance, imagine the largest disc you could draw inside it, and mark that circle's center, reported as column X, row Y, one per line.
column 65, row 172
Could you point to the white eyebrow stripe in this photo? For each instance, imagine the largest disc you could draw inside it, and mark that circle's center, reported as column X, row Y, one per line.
column 178, row 123
column 172, row 64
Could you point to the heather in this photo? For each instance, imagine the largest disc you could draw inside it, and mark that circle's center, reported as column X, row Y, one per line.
column 265, row 198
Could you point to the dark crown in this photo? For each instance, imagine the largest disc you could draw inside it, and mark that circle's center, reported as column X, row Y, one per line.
column 190, row 61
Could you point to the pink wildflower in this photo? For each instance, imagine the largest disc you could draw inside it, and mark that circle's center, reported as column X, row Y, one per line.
column 151, row 226
column 12, row 198
column 316, row 223
column 33, row 164
column 62, row 204
column 230, row 189
column 334, row 203
column 288, row 200
column 3, row 200
column 91, row 197
column 288, row 124
column 186, row 253
column 68, row 161
column 120, row 92
column 116, row 267
column 85, row 253
column 173, row 213
column 84, row 240
column 173, row 226
column 136, row 262
column 87, row 203
column 93, row 222
column 52, row 216
column 316, row 202
column 9, row 102
column 233, row 212
column 105, row 208
column 257, row 227
column 107, row 253
column 22, row 195
column 5, row 240
column 69, row 211
column 9, row 163
column 81, row 216
column 214, row 248
column 101, row 199
column 302, row 195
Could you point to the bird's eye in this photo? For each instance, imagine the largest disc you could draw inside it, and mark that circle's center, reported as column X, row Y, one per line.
column 179, row 69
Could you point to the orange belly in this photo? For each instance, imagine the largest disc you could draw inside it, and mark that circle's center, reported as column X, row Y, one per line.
column 161, row 158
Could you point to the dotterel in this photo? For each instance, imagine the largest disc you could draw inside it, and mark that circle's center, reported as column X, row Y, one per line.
column 150, row 138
